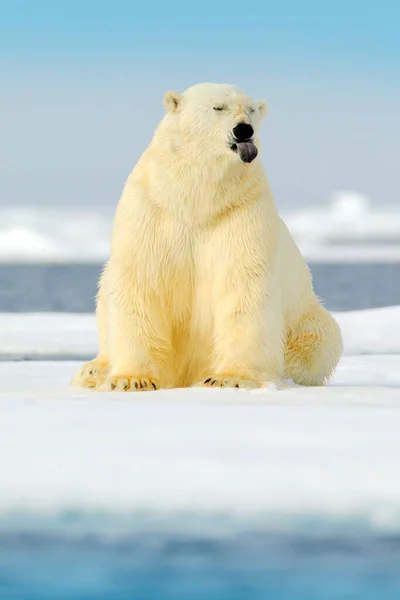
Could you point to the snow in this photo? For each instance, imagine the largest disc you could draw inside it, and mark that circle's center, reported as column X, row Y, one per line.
column 346, row 228
column 65, row 335
column 334, row 451
column 331, row 452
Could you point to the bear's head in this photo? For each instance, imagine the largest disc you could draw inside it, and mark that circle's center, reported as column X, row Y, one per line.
column 216, row 119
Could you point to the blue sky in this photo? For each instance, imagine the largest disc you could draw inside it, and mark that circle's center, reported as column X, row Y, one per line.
column 82, row 83
column 343, row 33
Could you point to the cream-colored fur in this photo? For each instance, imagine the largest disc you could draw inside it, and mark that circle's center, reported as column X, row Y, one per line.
column 204, row 284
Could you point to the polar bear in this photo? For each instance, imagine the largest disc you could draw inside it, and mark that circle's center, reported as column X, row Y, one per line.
column 205, row 285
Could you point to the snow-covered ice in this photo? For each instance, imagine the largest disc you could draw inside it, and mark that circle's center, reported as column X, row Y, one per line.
column 330, row 452
column 45, row 335
column 54, row 335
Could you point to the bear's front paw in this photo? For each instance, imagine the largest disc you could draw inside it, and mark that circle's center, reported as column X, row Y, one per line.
column 229, row 381
column 135, row 383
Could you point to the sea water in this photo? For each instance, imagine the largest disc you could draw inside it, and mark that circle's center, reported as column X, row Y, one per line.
column 72, row 287
column 315, row 562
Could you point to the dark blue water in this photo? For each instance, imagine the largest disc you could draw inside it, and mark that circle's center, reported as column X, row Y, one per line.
column 253, row 565
column 72, row 288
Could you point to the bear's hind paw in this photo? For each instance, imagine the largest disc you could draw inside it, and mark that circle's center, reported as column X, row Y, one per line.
column 91, row 375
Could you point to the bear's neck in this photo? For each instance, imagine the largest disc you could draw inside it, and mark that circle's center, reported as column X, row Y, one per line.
column 202, row 187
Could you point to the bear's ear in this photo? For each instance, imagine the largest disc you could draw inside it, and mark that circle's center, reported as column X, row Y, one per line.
column 262, row 107
column 171, row 101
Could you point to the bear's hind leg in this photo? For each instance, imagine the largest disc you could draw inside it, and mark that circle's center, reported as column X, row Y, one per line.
column 94, row 373
column 313, row 347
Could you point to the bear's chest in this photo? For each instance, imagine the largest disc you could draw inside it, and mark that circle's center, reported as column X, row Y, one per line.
column 187, row 268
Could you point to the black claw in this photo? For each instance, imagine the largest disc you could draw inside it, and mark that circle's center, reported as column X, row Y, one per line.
column 136, row 384
column 113, row 386
column 91, row 372
column 154, row 385
column 207, row 380
column 126, row 386
column 237, row 385
column 213, row 381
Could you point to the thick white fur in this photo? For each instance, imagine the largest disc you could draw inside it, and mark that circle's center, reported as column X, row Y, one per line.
column 204, row 282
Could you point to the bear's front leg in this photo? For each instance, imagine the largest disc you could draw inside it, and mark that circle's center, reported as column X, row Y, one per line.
column 245, row 298
column 248, row 348
column 138, row 342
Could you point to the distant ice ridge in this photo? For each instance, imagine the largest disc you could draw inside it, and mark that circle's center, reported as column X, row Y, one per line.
column 44, row 234
column 347, row 229
column 344, row 230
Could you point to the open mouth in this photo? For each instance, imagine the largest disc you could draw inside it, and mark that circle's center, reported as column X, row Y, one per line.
column 246, row 150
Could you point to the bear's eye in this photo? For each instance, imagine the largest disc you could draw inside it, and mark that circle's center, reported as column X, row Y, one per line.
column 252, row 110
column 219, row 108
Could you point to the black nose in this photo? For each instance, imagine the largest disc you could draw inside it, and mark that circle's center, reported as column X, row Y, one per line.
column 243, row 132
